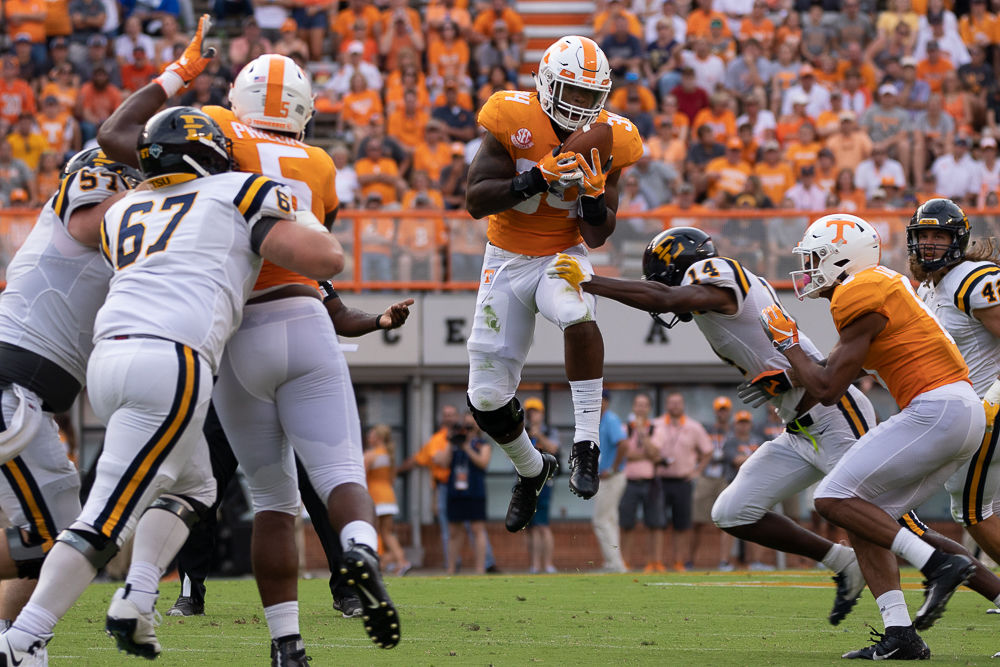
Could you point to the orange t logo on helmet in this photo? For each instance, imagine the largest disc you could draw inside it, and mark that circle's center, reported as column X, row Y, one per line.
column 840, row 224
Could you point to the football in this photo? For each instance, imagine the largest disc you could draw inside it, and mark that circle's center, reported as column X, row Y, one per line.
column 594, row 135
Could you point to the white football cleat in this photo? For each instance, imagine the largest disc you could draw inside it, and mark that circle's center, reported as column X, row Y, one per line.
column 35, row 655
column 134, row 631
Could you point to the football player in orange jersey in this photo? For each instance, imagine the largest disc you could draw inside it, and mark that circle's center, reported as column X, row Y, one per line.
column 542, row 201
column 291, row 403
column 887, row 331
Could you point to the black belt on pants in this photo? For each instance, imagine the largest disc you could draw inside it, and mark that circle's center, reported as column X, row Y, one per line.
column 800, row 424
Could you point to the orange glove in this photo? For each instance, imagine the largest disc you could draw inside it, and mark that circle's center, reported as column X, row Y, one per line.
column 780, row 328
column 559, row 168
column 192, row 62
column 593, row 178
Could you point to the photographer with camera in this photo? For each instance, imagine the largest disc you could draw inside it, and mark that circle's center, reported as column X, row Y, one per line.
column 467, row 457
column 541, row 544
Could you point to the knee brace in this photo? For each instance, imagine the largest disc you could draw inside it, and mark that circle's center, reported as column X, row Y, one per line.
column 26, row 554
column 189, row 511
column 96, row 548
column 500, row 422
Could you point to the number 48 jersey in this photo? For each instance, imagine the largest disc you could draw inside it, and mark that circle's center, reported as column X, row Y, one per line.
column 546, row 223
column 967, row 287
column 739, row 339
column 185, row 256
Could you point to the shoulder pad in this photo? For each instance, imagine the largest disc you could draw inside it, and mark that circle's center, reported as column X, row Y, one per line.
column 260, row 197
column 85, row 187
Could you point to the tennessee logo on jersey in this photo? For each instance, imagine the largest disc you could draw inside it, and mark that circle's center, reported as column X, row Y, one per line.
column 308, row 171
column 546, row 223
column 913, row 353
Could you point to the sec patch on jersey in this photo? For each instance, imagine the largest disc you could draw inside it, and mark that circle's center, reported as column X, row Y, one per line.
column 594, row 135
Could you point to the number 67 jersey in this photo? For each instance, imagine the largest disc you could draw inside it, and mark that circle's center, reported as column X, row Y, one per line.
column 185, row 256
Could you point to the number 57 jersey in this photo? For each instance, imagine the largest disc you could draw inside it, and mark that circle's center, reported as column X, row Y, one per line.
column 185, row 256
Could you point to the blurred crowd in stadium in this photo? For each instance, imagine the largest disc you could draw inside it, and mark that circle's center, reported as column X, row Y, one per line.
column 745, row 104
column 749, row 102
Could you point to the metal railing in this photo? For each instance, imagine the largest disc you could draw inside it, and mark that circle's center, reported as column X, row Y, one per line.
column 442, row 250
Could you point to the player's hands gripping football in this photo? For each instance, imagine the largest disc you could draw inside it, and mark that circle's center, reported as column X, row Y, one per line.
column 560, row 169
column 192, row 62
column 594, row 177
column 568, row 268
column 395, row 315
column 764, row 387
column 780, row 328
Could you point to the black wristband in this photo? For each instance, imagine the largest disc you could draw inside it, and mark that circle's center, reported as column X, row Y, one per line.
column 594, row 210
column 378, row 322
column 529, row 183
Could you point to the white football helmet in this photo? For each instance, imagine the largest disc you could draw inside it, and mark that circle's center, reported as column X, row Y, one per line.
column 577, row 62
column 833, row 248
column 273, row 93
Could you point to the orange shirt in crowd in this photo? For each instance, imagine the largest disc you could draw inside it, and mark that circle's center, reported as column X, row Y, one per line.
column 485, row 20
column 827, row 122
column 436, row 14
column 34, row 27
column 800, row 155
column 729, row 178
column 343, row 22
column 360, row 107
column 868, row 77
column 15, row 98
column 407, row 130
column 421, row 236
column 378, row 236
column 982, row 32
column 788, row 127
column 448, row 58
column 763, row 32
column 47, row 182
column 437, row 443
column 723, row 124
column 673, row 150
column 385, row 165
column 464, row 100
column 394, row 96
column 100, row 103
column 934, row 74
column 66, row 96
column 55, row 130
column 634, row 25
column 827, row 180
column 135, row 77
column 852, row 201
column 409, row 199
column 57, row 21
column 386, row 19
column 775, row 180
column 647, row 101
column 432, row 160
column 848, row 152
column 699, row 22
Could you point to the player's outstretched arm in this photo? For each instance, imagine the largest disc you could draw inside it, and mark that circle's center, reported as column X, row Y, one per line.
column 119, row 134
column 314, row 253
column 352, row 322
column 845, row 363
column 654, row 297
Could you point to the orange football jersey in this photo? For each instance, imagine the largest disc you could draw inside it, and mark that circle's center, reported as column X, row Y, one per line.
column 307, row 170
column 913, row 353
column 546, row 223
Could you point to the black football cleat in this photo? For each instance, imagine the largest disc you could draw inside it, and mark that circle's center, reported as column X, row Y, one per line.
column 524, row 497
column 187, row 606
column 583, row 478
column 850, row 583
column 898, row 643
column 360, row 568
column 289, row 651
column 939, row 586
column 348, row 605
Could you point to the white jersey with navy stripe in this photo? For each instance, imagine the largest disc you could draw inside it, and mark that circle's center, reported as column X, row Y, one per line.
column 55, row 285
column 739, row 339
column 184, row 259
column 967, row 287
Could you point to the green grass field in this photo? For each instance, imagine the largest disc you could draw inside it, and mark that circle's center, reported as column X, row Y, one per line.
column 741, row 618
